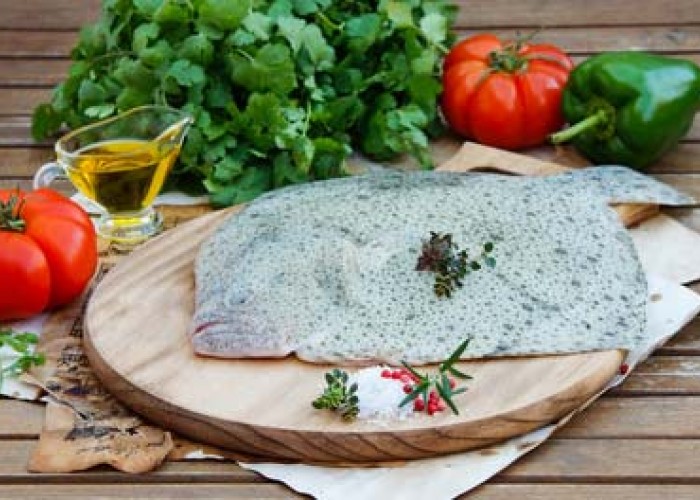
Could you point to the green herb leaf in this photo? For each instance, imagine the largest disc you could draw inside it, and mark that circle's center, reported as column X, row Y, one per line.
column 440, row 381
column 456, row 355
column 186, row 74
column 434, row 27
column 147, row 8
column 400, row 13
column 271, row 69
column 454, row 371
column 337, row 396
column 224, row 14
column 412, row 370
column 22, row 344
column 143, row 35
column 443, row 390
column 198, row 49
column 418, row 390
column 45, row 121
column 173, row 12
column 304, row 7
column 259, row 25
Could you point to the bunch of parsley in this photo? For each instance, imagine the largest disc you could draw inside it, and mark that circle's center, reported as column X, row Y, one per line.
column 281, row 90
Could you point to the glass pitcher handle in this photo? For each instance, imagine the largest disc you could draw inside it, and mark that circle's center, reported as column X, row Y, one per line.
column 48, row 173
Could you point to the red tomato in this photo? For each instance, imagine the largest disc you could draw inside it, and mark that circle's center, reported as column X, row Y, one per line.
column 48, row 252
column 506, row 95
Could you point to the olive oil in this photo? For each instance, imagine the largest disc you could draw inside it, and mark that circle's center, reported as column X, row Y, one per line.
column 123, row 175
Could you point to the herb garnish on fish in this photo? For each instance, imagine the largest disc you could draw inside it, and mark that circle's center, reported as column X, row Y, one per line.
column 451, row 265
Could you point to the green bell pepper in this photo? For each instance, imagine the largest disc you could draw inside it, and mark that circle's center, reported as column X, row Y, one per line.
column 629, row 108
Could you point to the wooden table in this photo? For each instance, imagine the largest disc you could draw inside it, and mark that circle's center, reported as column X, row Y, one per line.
column 640, row 441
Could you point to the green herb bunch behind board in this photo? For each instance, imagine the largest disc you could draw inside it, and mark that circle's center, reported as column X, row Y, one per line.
column 281, row 91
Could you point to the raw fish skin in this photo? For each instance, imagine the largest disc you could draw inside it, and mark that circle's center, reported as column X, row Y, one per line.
column 326, row 270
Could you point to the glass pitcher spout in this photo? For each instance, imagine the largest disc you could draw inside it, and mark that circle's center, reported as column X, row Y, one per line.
column 175, row 133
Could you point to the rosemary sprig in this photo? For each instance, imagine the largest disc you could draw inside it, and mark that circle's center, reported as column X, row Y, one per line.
column 451, row 265
column 337, row 396
column 440, row 380
column 22, row 344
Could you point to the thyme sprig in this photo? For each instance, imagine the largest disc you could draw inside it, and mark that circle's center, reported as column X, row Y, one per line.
column 23, row 344
column 337, row 396
column 440, row 380
column 451, row 265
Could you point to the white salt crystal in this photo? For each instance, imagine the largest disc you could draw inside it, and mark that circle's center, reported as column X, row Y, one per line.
column 379, row 397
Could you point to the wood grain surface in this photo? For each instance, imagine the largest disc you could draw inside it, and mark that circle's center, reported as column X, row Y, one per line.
column 651, row 419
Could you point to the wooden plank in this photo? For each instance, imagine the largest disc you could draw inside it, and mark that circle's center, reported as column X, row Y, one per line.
column 662, row 39
column 25, row 184
column 559, row 460
column 642, row 417
column 48, row 14
column 15, row 131
column 582, row 492
column 613, row 417
column 664, row 375
column 226, row 492
column 589, row 460
column 684, row 158
column 160, row 491
column 22, row 101
column 687, row 341
column 589, row 40
column 32, row 72
column 502, row 13
column 489, row 491
column 23, row 162
column 23, row 44
column 70, row 14
column 605, row 460
column 20, row 419
column 15, row 456
column 688, row 183
column 31, row 44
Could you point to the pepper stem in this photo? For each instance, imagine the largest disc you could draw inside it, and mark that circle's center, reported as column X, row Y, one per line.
column 591, row 122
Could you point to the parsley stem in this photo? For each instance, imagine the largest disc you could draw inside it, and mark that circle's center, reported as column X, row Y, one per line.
column 328, row 22
column 246, row 55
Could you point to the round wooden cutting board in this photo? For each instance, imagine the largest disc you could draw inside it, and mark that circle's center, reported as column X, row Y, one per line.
column 136, row 339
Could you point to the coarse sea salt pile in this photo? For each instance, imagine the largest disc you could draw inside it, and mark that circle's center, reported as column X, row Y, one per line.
column 379, row 397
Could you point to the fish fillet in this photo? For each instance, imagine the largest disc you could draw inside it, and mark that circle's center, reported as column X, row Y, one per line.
column 326, row 270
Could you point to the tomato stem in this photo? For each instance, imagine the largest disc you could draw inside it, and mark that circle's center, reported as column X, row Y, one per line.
column 10, row 219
